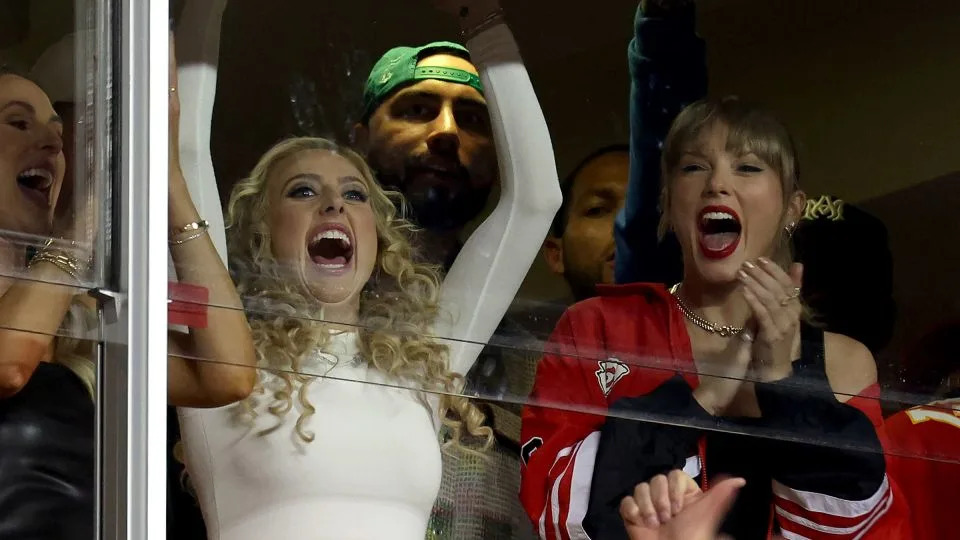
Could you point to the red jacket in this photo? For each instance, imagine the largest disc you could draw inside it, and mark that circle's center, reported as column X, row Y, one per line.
column 925, row 461
column 630, row 345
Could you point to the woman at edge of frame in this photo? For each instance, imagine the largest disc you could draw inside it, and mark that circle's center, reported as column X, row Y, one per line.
column 47, row 381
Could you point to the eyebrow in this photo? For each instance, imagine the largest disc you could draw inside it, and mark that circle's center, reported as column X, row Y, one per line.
column 16, row 103
column 606, row 193
column 319, row 178
column 424, row 94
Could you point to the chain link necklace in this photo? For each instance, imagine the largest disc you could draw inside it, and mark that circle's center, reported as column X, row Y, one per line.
column 722, row 329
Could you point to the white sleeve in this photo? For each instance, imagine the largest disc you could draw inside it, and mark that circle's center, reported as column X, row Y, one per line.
column 198, row 50
column 487, row 273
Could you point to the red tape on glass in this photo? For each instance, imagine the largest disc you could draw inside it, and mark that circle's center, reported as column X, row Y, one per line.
column 187, row 305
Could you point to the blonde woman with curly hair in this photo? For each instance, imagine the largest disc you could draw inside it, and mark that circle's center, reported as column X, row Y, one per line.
column 362, row 346
column 354, row 389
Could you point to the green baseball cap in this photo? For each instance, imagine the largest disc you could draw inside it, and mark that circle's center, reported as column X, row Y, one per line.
column 398, row 68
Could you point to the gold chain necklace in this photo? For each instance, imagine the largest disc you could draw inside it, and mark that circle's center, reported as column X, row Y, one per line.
column 722, row 329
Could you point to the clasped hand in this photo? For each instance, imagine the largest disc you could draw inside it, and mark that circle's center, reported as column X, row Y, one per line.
column 764, row 351
column 774, row 299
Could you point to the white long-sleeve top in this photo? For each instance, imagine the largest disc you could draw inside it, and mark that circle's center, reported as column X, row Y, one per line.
column 374, row 469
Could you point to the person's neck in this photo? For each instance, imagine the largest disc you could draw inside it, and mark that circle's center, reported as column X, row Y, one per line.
column 344, row 316
column 717, row 303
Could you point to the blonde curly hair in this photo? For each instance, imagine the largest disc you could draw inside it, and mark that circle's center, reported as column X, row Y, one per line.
column 398, row 307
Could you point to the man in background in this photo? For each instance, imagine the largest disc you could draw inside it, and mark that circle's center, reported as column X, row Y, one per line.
column 580, row 247
column 426, row 133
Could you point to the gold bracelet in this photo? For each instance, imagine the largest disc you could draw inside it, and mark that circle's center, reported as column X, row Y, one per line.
column 190, row 227
column 189, row 238
column 69, row 251
column 198, row 228
column 62, row 261
column 69, row 248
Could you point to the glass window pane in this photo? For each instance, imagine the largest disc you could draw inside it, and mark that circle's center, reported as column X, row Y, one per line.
column 55, row 170
column 394, row 230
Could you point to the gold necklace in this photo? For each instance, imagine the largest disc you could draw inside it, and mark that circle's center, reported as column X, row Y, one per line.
column 723, row 330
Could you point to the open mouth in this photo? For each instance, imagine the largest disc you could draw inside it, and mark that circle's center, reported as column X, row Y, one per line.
column 719, row 228
column 35, row 183
column 331, row 247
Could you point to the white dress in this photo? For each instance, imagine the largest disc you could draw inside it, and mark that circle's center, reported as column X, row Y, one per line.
column 373, row 470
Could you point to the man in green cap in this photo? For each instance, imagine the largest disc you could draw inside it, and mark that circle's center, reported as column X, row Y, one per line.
column 426, row 132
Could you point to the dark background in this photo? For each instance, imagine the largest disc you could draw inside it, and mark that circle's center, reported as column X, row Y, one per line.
column 868, row 87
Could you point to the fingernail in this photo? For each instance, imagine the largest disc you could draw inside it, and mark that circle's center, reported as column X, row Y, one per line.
column 764, row 260
column 652, row 521
column 749, row 264
column 665, row 517
column 742, row 275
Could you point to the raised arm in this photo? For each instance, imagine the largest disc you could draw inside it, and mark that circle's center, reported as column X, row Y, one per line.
column 667, row 72
column 495, row 259
column 198, row 50
column 212, row 365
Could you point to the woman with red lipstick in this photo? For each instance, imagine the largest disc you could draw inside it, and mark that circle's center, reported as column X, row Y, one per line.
column 716, row 376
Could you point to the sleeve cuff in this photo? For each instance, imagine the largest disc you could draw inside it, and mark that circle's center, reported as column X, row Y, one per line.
column 493, row 46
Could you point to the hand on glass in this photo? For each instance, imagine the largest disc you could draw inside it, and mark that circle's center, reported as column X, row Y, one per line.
column 774, row 297
column 657, row 501
column 693, row 515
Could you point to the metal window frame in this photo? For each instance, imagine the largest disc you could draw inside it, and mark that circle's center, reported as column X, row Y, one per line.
column 132, row 367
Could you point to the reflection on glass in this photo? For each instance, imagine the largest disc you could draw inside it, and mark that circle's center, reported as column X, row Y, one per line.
column 808, row 395
column 47, row 233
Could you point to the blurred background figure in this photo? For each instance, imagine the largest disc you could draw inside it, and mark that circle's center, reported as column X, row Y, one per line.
column 580, row 244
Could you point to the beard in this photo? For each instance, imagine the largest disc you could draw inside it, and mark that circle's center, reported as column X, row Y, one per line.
column 582, row 279
column 443, row 207
column 581, row 285
column 438, row 208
